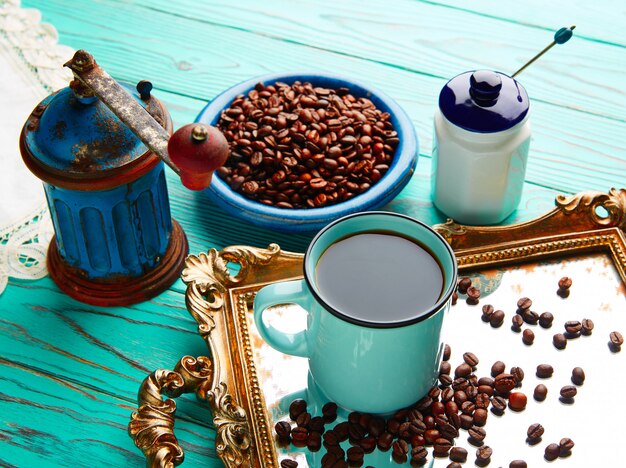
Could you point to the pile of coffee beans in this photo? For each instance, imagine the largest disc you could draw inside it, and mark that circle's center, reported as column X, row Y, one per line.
column 461, row 401
column 301, row 146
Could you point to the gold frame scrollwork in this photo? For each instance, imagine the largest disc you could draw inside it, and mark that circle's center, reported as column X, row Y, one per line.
column 218, row 301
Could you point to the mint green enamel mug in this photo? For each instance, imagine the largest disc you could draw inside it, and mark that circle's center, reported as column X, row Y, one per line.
column 375, row 363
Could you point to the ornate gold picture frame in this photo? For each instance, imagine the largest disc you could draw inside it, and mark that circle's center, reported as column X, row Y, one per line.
column 221, row 303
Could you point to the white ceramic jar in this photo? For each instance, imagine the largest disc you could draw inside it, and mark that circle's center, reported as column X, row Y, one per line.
column 480, row 147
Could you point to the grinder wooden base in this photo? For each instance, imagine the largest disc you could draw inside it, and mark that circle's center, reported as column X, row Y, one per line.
column 121, row 290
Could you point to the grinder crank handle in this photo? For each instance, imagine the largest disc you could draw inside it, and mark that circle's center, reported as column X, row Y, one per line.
column 193, row 151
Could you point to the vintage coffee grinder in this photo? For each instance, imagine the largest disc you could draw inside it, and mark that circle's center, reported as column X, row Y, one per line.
column 99, row 148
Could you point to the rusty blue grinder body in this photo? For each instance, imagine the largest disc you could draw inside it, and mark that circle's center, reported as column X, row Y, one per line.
column 115, row 241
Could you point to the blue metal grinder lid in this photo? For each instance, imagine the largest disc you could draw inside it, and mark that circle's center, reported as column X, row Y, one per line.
column 70, row 139
column 484, row 101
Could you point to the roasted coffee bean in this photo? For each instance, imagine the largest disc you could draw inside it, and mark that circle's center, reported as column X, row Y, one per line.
column 552, row 452
column 586, row 327
column 384, row 441
column 467, row 421
column 488, row 310
column 473, row 294
column 299, row 436
column 484, row 453
column 485, row 390
column 573, row 327
column 438, row 408
column 354, row 417
column 464, row 284
column 546, row 319
column 480, row 416
column 517, row 322
column 559, row 341
column 442, row 447
column 496, row 319
column 458, row 454
column 455, row 298
column 445, row 368
column 462, row 371
column 565, row 446
column 400, row 449
column 497, row 368
column 470, row 359
column 445, row 379
column 330, row 438
column 447, row 394
column 578, row 376
column 460, row 397
column 528, row 337
column 504, row 383
column 429, row 421
column 535, row 431
column 568, row 392
column 314, row 442
column 418, row 440
column 530, row 317
column 451, row 408
column 524, row 303
column 303, row 420
column 364, row 420
column 471, row 391
column 448, row 430
column 356, row 432
column 431, row 435
column 355, row 454
column 296, row 408
column 518, row 464
column 329, row 412
column 517, row 401
column 477, row 433
column 283, row 429
column 616, row 338
column 455, row 420
column 565, row 283
column 544, row 371
column 498, row 405
column 341, row 430
column 418, row 454
column 468, row 407
column 486, row 381
column 393, row 426
column 434, row 393
column 518, row 375
column 287, row 463
column 331, row 460
column 483, row 400
column 377, row 426
column 317, row 424
column 446, row 352
column 368, row 444
column 540, row 393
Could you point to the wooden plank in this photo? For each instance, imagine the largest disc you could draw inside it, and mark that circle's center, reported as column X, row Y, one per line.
column 572, row 144
column 50, row 422
column 595, row 20
column 429, row 39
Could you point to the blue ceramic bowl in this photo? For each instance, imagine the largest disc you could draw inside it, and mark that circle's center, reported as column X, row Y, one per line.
column 313, row 219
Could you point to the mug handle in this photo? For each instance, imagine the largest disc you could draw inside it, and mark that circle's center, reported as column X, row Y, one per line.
column 288, row 292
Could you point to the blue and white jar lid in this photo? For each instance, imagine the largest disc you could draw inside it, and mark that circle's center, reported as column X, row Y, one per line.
column 484, row 101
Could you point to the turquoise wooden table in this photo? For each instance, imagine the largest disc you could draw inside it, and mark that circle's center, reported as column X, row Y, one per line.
column 70, row 372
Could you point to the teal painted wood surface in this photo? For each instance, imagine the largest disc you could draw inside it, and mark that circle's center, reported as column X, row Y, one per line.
column 70, row 372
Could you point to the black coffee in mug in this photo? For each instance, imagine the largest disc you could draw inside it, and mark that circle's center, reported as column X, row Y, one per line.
column 379, row 277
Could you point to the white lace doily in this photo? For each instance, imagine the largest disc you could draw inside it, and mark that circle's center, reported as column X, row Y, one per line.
column 30, row 69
